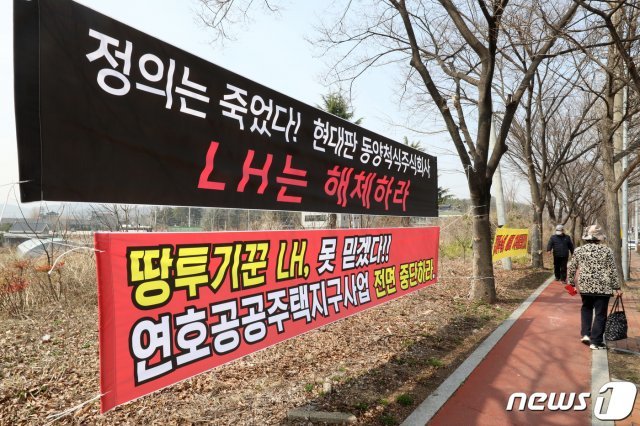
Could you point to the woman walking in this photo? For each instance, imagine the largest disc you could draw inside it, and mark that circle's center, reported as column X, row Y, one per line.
column 597, row 279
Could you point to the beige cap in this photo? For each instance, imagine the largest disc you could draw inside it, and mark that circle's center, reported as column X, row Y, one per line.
column 594, row 232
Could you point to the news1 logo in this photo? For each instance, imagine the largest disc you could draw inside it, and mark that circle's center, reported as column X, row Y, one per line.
column 621, row 400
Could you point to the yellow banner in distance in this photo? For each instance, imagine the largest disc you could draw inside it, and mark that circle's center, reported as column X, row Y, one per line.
column 510, row 243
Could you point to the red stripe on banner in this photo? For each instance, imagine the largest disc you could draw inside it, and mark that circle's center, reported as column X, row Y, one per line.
column 173, row 305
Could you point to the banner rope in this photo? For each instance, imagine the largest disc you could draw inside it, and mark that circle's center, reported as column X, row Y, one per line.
column 69, row 251
column 57, row 416
column 464, row 216
column 13, row 188
column 443, row 262
column 14, row 183
column 471, row 278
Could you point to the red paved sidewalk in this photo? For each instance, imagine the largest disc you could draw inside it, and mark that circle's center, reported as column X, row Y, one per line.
column 541, row 352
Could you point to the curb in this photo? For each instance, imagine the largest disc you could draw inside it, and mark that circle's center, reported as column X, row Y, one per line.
column 599, row 376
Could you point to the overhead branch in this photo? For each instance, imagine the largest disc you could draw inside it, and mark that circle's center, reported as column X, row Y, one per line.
column 435, row 94
column 625, row 174
column 480, row 49
column 512, row 106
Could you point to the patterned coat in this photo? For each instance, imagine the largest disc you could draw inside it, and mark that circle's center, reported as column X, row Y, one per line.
column 595, row 268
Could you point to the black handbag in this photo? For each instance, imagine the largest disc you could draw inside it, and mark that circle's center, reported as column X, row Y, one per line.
column 616, row 327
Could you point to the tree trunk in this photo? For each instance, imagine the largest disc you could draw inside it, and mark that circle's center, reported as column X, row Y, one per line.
column 483, row 284
column 537, row 189
column 551, row 208
column 613, row 221
column 333, row 220
column 612, row 207
column 537, row 260
column 573, row 229
column 406, row 221
column 580, row 231
column 608, row 146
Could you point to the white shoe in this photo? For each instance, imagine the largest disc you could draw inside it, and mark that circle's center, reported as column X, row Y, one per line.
column 585, row 339
column 596, row 347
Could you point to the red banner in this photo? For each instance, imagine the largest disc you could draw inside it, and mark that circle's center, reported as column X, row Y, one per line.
column 174, row 305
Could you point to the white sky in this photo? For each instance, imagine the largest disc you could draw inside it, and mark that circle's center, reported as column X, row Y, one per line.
column 271, row 50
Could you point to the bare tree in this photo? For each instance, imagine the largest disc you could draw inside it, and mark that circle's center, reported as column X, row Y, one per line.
column 451, row 49
column 555, row 128
column 619, row 20
column 574, row 188
column 112, row 217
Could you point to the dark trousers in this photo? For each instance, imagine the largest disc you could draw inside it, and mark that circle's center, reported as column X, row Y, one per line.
column 594, row 316
column 560, row 267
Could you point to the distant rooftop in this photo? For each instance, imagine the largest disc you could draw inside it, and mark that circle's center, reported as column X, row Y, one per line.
column 28, row 226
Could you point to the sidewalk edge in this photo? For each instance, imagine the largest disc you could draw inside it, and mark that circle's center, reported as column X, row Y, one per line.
column 599, row 376
column 430, row 406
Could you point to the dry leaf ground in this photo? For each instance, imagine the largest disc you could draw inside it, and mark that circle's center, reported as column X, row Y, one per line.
column 380, row 364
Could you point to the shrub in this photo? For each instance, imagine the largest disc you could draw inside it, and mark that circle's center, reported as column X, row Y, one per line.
column 435, row 362
column 388, row 420
column 404, row 400
column 27, row 283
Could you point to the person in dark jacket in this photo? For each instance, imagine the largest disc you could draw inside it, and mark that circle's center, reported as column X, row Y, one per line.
column 594, row 271
column 561, row 245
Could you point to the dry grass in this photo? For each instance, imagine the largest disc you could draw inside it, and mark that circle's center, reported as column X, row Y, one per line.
column 381, row 363
column 26, row 284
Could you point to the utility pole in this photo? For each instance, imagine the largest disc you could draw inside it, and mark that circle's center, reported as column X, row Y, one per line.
column 497, row 186
column 624, row 219
column 619, row 100
column 635, row 222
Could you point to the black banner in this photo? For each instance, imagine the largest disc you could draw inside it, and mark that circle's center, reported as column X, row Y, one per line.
column 106, row 113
